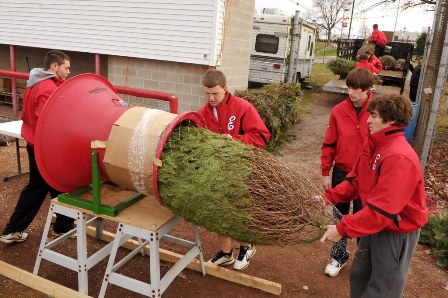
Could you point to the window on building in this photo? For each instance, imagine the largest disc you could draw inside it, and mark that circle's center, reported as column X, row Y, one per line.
column 266, row 43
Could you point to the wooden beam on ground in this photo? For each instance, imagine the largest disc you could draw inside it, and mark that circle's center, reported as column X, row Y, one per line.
column 220, row 272
column 36, row 282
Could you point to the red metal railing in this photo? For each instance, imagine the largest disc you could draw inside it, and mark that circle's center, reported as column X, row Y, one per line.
column 171, row 99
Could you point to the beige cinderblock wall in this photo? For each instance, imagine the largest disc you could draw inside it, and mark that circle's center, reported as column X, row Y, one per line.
column 184, row 80
column 237, row 43
column 180, row 79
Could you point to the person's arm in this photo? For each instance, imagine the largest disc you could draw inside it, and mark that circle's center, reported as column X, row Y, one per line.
column 411, row 67
column 388, row 196
column 377, row 63
column 328, row 151
column 344, row 192
column 255, row 132
column 374, row 37
column 41, row 100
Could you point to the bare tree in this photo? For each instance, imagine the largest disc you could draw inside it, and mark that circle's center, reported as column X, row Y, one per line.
column 330, row 13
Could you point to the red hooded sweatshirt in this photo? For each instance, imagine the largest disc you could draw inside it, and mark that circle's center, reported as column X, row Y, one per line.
column 378, row 37
column 388, row 178
column 41, row 85
column 238, row 118
column 345, row 136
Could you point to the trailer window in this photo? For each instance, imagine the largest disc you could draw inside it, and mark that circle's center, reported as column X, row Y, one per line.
column 266, row 43
column 309, row 43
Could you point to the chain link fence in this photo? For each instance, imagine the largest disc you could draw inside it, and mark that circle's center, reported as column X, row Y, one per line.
column 433, row 71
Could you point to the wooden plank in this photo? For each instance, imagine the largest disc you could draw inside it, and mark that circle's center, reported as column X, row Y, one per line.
column 36, row 282
column 147, row 213
column 220, row 272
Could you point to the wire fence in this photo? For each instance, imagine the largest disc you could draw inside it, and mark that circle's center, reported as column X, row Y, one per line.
column 432, row 65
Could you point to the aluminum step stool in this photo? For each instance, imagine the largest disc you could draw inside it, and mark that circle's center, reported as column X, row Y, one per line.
column 83, row 263
column 151, row 229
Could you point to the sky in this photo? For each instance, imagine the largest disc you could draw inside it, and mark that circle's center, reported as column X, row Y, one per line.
column 414, row 20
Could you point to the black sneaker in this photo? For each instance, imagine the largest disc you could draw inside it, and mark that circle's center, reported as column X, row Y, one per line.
column 246, row 252
column 60, row 234
column 222, row 259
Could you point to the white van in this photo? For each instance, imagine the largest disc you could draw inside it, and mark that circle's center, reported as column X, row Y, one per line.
column 272, row 49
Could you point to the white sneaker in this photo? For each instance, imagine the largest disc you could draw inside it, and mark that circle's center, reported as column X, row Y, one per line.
column 222, row 259
column 333, row 268
column 14, row 237
column 246, row 252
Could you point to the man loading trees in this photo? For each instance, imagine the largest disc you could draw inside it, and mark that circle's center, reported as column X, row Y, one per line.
column 238, row 119
column 379, row 38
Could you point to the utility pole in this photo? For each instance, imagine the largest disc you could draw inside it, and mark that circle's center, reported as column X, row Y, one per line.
column 396, row 17
column 351, row 18
column 294, row 48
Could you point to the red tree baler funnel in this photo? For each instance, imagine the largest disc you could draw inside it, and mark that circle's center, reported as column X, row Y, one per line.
column 129, row 140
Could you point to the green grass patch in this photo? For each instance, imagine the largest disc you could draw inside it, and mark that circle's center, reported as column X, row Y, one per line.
column 320, row 75
column 325, row 49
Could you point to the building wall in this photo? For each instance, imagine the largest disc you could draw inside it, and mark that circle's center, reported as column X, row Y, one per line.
column 176, row 30
column 183, row 80
column 34, row 57
column 237, row 44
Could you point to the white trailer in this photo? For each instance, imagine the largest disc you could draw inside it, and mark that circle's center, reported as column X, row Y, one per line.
column 282, row 49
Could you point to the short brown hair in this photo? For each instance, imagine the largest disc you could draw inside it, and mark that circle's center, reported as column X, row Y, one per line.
column 364, row 56
column 213, row 78
column 54, row 56
column 360, row 78
column 392, row 107
column 375, row 26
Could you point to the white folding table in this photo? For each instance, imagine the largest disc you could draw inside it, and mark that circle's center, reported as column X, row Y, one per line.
column 13, row 129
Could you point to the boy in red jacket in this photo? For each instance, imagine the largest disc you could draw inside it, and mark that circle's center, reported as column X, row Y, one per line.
column 379, row 38
column 388, row 178
column 363, row 62
column 346, row 133
column 238, row 119
column 41, row 84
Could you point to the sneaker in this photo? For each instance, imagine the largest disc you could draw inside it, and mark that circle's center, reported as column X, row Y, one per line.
column 14, row 237
column 60, row 234
column 334, row 267
column 222, row 259
column 246, row 252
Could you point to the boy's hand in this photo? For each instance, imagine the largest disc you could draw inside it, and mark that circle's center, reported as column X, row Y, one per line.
column 326, row 182
column 331, row 234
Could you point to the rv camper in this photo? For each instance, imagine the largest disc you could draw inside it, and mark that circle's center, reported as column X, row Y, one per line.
column 282, row 49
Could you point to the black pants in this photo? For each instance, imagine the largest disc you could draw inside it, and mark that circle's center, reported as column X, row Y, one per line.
column 339, row 250
column 379, row 49
column 31, row 199
column 413, row 92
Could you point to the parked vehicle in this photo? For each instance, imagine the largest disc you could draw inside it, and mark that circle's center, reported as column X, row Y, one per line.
column 347, row 49
column 282, row 49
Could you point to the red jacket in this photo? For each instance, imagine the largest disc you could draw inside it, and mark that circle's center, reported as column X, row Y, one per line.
column 34, row 100
column 367, row 65
column 239, row 118
column 376, row 63
column 345, row 136
column 389, row 180
column 378, row 37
